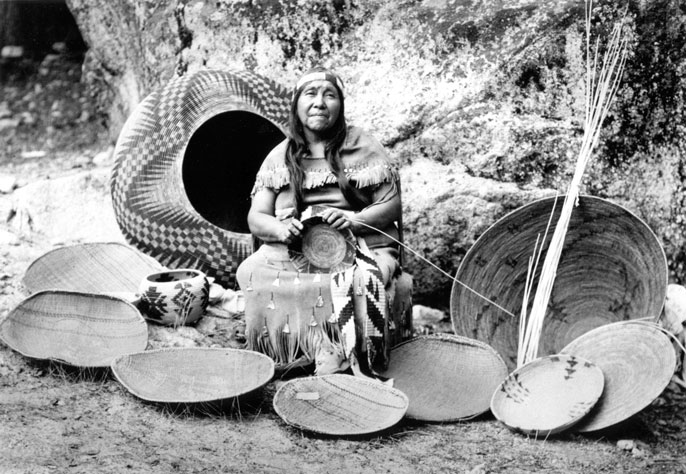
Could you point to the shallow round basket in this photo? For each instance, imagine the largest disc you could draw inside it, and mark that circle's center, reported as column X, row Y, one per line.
column 185, row 163
column 80, row 329
column 612, row 268
column 339, row 404
column 322, row 248
column 548, row 395
column 100, row 267
column 638, row 361
column 193, row 374
column 445, row 377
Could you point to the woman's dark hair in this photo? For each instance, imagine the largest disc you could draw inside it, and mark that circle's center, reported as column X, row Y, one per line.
column 297, row 149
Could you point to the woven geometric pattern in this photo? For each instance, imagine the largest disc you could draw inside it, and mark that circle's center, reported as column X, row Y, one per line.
column 612, row 268
column 150, row 204
column 548, row 395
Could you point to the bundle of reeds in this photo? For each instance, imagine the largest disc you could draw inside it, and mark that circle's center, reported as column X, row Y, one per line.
column 602, row 83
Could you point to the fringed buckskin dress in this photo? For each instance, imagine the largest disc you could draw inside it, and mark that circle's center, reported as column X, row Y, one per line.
column 293, row 314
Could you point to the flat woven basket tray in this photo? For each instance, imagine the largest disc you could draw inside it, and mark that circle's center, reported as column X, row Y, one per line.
column 548, row 395
column 79, row 329
column 446, row 377
column 106, row 267
column 339, row 404
column 638, row 361
column 193, row 374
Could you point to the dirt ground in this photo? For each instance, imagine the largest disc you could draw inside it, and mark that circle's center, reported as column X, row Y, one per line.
column 56, row 419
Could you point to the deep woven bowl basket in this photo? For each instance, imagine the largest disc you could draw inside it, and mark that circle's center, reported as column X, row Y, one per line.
column 338, row 404
column 174, row 297
column 548, row 395
column 612, row 268
column 446, row 377
column 99, row 267
column 193, row 374
column 185, row 163
column 637, row 360
column 80, row 329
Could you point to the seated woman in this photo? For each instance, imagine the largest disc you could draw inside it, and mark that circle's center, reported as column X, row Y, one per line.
column 339, row 315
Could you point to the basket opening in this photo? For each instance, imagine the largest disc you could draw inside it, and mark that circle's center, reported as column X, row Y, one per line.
column 220, row 164
column 173, row 276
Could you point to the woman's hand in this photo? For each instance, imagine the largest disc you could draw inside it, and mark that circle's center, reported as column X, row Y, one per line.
column 289, row 230
column 337, row 218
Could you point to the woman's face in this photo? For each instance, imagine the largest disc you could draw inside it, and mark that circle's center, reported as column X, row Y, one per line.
column 318, row 106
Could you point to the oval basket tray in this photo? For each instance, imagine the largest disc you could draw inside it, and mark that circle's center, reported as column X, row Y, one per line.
column 339, row 404
column 446, row 377
column 638, row 362
column 104, row 267
column 80, row 329
column 193, row 374
column 548, row 395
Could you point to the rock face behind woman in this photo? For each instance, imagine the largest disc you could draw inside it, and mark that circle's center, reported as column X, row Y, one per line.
column 488, row 100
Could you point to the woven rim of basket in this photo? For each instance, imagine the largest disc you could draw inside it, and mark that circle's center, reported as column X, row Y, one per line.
column 339, row 404
column 192, row 374
column 548, row 395
column 612, row 268
column 99, row 267
column 80, row 329
column 446, row 377
column 638, row 361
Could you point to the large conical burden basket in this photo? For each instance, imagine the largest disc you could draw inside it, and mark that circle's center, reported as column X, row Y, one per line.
column 186, row 161
column 612, row 268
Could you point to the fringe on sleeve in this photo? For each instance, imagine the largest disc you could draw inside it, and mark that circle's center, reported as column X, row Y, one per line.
column 365, row 163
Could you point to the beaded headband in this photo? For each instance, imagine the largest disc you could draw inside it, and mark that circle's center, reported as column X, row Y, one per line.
column 320, row 76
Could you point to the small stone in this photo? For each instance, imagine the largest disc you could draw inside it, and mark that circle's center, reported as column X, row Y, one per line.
column 81, row 161
column 27, row 118
column 5, row 110
column 478, row 469
column 8, row 238
column 6, row 123
column 423, row 315
column 60, row 47
column 12, row 51
column 27, row 155
column 104, row 158
column 49, row 58
column 638, row 453
column 626, row 444
column 7, row 183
